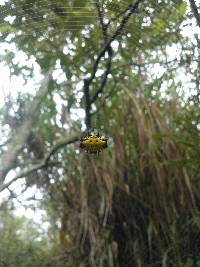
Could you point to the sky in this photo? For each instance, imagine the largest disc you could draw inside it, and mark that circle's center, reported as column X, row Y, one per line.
column 13, row 85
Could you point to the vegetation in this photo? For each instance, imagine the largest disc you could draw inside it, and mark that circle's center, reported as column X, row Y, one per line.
column 21, row 245
column 129, row 70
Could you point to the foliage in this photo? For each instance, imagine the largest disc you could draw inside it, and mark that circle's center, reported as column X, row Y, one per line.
column 21, row 242
column 137, row 202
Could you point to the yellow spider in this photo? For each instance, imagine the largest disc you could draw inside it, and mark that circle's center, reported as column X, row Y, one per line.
column 93, row 143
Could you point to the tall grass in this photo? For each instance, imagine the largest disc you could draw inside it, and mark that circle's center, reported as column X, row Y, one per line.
column 137, row 204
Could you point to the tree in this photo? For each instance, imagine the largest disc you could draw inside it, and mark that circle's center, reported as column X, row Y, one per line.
column 20, row 241
column 131, row 201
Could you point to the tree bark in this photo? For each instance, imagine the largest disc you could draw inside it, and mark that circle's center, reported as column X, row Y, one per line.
column 195, row 11
column 19, row 138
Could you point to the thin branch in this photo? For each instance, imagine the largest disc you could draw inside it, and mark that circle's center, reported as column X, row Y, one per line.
column 87, row 82
column 87, row 104
column 195, row 11
column 103, row 25
column 5, row 143
column 64, row 141
column 114, row 36
column 119, row 15
column 110, row 54
column 140, row 65
column 107, row 47
column 105, row 76
column 103, row 102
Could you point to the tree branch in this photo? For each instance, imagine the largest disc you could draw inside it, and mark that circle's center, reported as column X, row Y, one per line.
column 103, row 102
column 110, row 54
column 119, row 15
column 195, row 11
column 105, row 76
column 103, row 25
column 87, row 104
column 64, row 141
column 114, row 36
column 5, row 143
column 23, row 132
column 107, row 48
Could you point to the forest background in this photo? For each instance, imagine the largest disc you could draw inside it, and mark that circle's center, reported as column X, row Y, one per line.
column 130, row 70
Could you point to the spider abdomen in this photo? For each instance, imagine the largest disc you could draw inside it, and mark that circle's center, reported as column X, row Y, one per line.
column 93, row 143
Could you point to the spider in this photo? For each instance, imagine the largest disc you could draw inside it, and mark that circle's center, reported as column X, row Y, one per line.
column 93, row 143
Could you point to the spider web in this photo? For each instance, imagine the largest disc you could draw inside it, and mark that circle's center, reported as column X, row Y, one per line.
column 73, row 18
column 77, row 20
